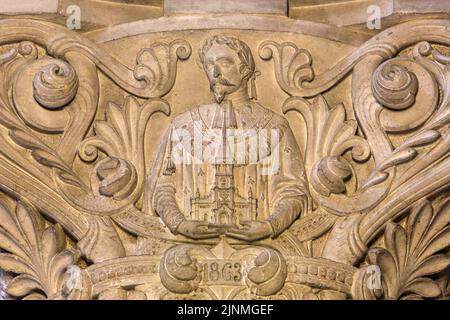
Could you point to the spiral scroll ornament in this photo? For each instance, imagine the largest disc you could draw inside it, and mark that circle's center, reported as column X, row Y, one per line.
column 55, row 85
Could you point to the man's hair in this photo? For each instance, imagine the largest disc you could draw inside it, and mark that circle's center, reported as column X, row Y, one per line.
column 247, row 67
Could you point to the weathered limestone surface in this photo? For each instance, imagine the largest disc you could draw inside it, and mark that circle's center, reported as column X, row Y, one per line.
column 223, row 6
column 105, row 196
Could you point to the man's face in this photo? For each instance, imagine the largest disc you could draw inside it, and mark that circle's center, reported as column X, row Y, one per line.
column 222, row 67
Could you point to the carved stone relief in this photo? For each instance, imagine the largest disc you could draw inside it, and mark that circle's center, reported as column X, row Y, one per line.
column 341, row 190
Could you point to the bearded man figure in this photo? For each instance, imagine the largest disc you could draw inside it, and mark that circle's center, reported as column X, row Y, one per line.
column 232, row 167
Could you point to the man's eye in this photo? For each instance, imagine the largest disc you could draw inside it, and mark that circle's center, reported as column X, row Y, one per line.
column 225, row 64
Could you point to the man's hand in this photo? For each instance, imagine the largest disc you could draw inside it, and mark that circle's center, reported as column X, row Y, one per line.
column 197, row 230
column 251, row 231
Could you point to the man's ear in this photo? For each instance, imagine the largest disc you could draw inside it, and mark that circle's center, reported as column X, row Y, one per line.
column 245, row 71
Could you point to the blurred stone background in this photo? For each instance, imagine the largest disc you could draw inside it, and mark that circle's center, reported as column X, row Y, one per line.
column 351, row 14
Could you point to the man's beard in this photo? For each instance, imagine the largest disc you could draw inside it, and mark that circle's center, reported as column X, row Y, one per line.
column 218, row 89
column 218, row 92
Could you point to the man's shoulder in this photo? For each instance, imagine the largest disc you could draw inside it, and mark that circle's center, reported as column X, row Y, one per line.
column 187, row 117
column 275, row 120
column 269, row 118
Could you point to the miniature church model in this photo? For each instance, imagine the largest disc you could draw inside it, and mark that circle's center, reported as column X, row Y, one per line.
column 223, row 205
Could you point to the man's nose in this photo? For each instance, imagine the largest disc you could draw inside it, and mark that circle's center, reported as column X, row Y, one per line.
column 217, row 71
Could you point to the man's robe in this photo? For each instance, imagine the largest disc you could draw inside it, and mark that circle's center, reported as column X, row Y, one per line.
column 278, row 184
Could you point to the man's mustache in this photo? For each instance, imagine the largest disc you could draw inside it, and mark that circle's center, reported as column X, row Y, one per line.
column 223, row 81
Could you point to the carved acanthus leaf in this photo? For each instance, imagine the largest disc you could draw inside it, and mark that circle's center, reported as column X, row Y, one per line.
column 157, row 65
column 294, row 72
column 292, row 65
column 120, row 137
column 412, row 254
column 35, row 253
column 329, row 135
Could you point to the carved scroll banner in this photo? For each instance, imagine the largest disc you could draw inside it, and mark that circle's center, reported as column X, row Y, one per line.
column 224, row 158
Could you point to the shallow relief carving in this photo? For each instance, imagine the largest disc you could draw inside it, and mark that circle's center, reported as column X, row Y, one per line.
column 92, row 210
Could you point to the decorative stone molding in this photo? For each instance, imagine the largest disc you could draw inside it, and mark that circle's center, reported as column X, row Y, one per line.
column 278, row 7
column 94, row 204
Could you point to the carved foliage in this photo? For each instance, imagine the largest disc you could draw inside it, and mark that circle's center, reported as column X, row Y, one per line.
column 157, row 65
column 292, row 65
column 37, row 254
column 329, row 135
column 120, row 137
column 411, row 255
column 58, row 96
column 20, row 133
column 179, row 271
